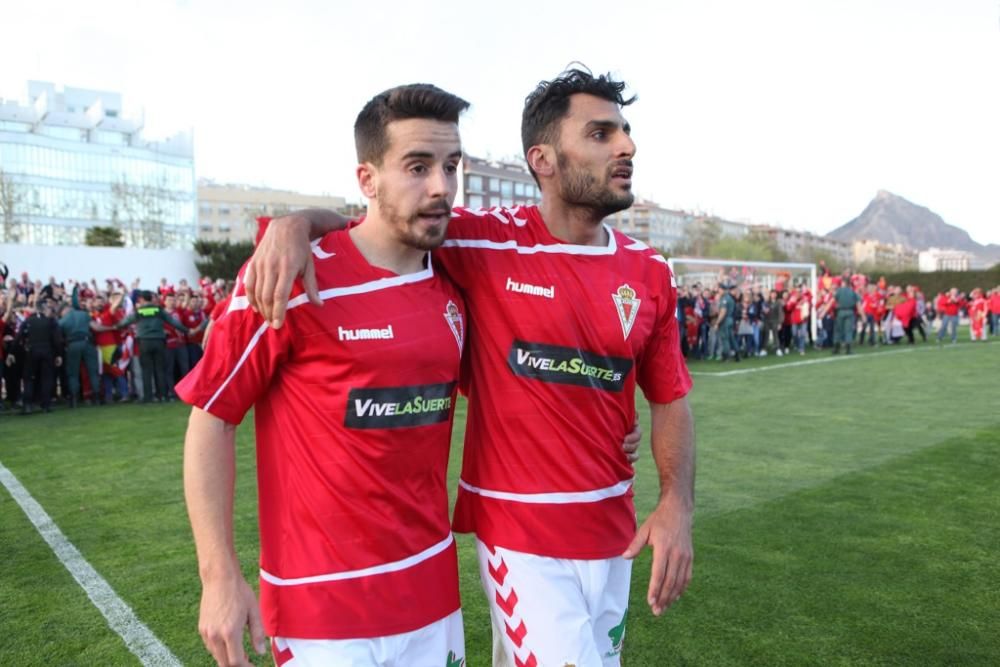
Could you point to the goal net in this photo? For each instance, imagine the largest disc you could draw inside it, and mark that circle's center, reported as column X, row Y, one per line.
column 691, row 271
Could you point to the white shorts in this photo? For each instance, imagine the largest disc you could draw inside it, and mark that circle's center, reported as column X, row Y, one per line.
column 555, row 611
column 440, row 644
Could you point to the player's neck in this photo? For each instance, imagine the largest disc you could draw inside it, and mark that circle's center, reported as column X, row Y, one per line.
column 572, row 224
column 378, row 245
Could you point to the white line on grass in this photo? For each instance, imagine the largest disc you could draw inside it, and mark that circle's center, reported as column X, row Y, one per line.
column 808, row 362
column 138, row 638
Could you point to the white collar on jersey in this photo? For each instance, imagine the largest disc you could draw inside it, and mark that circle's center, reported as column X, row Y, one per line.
column 547, row 248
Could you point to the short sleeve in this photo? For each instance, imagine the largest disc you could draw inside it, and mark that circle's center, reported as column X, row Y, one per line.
column 242, row 357
column 662, row 373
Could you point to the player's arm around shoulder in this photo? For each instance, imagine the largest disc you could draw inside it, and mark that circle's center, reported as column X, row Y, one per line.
column 228, row 603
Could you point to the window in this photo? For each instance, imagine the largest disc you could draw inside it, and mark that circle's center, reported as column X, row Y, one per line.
column 60, row 132
column 519, row 189
column 475, row 201
column 475, row 184
column 108, row 138
column 14, row 126
column 494, row 185
column 224, row 227
column 506, row 190
column 224, row 210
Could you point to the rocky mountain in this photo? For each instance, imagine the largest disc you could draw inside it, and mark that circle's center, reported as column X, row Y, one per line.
column 890, row 218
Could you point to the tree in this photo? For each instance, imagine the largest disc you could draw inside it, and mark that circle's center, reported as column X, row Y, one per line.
column 12, row 202
column 753, row 248
column 140, row 212
column 110, row 237
column 699, row 236
column 816, row 255
column 221, row 259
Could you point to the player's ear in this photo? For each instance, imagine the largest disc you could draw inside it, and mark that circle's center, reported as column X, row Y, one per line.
column 367, row 179
column 542, row 160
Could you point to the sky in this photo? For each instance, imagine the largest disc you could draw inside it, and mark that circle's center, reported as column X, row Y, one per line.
column 772, row 111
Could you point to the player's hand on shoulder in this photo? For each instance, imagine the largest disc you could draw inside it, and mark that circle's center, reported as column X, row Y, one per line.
column 282, row 255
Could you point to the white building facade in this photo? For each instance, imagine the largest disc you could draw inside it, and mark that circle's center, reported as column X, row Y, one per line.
column 938, row 259
column 70, row 160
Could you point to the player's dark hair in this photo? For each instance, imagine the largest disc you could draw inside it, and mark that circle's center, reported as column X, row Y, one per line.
column 415, row 100
column 548, row 104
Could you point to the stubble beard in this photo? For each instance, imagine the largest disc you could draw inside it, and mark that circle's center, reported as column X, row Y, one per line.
column 407, row 228
column 581, row 189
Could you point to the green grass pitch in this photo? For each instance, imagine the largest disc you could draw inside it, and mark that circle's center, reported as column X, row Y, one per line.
column 848, row 513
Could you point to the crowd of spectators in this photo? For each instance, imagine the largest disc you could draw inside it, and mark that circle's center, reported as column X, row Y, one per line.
column 80, row 342
column 737, row 317
column 92, row 343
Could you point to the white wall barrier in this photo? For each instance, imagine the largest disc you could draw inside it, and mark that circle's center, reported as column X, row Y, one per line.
column 85, row 262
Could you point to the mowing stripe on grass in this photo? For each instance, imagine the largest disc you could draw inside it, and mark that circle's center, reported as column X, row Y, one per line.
column 808, row 362
column 137, row 637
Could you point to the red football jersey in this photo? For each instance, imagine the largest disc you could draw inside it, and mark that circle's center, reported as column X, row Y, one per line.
column 871, row 303
column 353, row 406
column 560, row 336
column 905, row 311
column 192, row 320
column 175, row 339
column 108, row 318
column 949, row 307
column 978, row 307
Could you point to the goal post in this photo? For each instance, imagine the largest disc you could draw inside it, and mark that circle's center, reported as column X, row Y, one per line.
column 765, row 275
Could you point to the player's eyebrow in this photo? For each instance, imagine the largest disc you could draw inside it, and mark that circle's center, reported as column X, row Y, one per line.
column 607, row 125
column 427, row 155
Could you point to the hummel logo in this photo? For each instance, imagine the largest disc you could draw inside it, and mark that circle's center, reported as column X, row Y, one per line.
column 365, row 334
column 534, row 290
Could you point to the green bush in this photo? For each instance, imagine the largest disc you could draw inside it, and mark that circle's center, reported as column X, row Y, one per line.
column 221, row 259
column 942, row 281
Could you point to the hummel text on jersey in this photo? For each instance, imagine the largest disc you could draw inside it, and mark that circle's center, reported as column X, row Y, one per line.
column 566, row 365
column 534, row 290
column 394, row 407
column 365, row 334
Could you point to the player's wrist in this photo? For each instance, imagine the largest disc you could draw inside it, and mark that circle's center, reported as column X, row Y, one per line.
column 294, row 227
column 674, row 502
column 220, row 571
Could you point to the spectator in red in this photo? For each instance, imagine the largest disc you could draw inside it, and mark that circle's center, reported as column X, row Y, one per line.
column 905, row 311
column 917, row 323
column 826, row 311
column 995, row 311
column 949, row 309
column 798, row 307
column 870, row 306
column 195, row 319
column 108, row 315
column 165, row 288
column 176, row 364
column 978, row 308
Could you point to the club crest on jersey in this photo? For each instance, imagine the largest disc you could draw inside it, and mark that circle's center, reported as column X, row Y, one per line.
column 627, row 306
column 453, row 317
